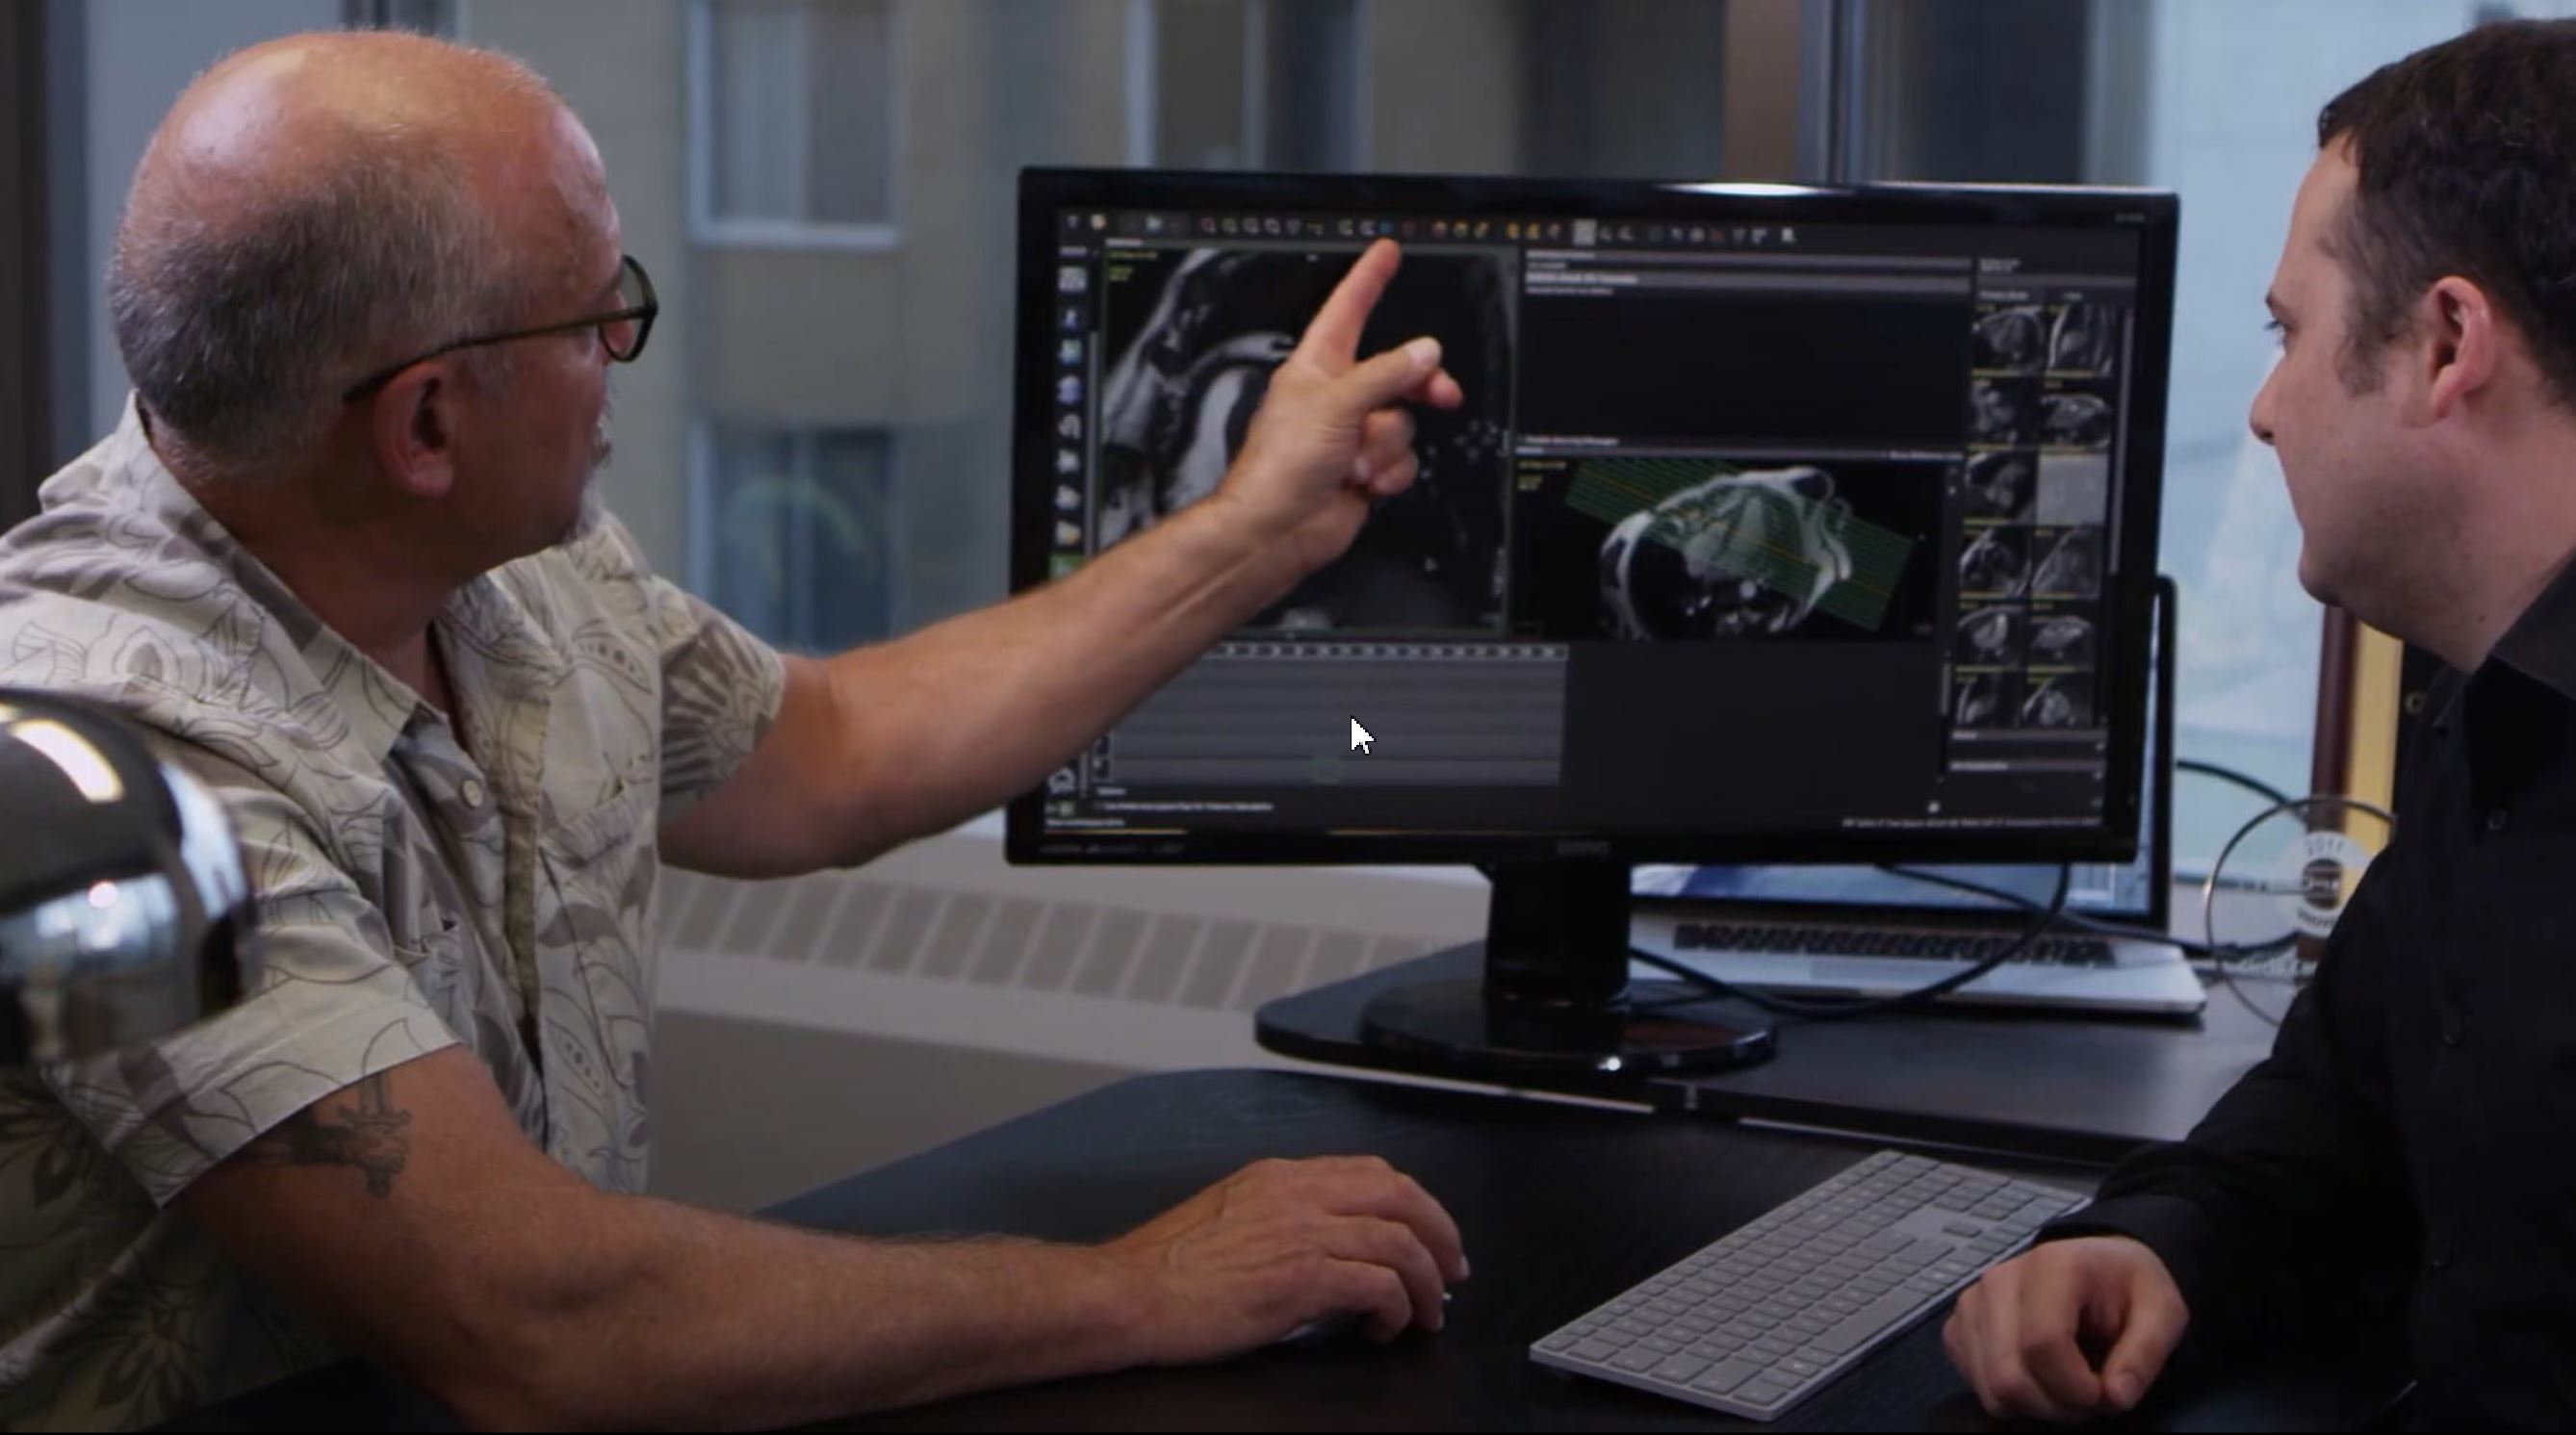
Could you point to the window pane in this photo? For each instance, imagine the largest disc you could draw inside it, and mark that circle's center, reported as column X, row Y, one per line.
column 1626, row 91
column 803, row 534
column 2216, row 100
column 1199, row 51
column 1310, row 59
column 847, row 80
column 800, row 107
column 759, row 112
column 429, row 17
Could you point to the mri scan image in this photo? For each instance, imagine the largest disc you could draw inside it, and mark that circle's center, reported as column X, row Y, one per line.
column 2059, row 702
column 2085, row 337
column 1996, row 561
column 2060, row 638
column 1990, row 637
column 1985, row 700
column 2070, row 564
column 2075, row 420
column 1738, row 555
column 1193, row 337
column 2013, row 338
column 1999, row 484
column 2002, row 411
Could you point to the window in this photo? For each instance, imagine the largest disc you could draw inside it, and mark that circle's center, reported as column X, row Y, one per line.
column 793, row 107
column 429, row 17
column 798, row 533
column 1255, row 84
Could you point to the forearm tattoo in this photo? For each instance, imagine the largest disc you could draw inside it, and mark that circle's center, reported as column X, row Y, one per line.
column 357, row 1127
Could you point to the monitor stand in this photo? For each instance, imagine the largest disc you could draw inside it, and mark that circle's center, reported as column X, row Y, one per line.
column 1555, row 1000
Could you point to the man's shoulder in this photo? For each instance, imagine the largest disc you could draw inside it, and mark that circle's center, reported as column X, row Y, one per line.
column 214, row 685
column 139, row 610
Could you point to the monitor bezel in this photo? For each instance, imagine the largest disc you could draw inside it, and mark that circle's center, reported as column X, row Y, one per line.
column 2151, row 214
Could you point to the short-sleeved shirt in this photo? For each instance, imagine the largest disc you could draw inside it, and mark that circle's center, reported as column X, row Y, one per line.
column 419, row 887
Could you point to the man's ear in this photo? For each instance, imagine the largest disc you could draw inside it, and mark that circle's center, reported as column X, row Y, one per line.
column 413, row 425
column 2463, row 344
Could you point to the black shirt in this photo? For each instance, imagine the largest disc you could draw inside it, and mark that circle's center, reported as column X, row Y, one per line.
column 2413, row 1133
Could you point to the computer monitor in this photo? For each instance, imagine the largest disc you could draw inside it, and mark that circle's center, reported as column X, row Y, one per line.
column 1779, row 525
column 2136, row 893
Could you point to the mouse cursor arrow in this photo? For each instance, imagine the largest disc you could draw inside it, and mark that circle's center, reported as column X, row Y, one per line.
column 1360, row 738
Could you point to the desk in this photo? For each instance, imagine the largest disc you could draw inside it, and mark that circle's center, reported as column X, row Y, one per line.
column 2073, row 1088
column 1561, row 1205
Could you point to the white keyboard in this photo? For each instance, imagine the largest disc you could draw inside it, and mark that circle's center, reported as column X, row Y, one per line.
column 1761, row 1319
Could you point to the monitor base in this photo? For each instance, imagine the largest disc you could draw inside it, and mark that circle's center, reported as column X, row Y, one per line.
column 1555, row 1000
column 1659, row 1029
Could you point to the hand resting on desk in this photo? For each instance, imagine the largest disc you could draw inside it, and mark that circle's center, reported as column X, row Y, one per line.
column 1284, row 1246
column 2021, row 1336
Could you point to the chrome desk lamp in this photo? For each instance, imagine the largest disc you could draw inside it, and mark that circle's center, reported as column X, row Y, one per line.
column 124, row 909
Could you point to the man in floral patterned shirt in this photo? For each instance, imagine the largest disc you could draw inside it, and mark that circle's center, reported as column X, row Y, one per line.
column 341, row 559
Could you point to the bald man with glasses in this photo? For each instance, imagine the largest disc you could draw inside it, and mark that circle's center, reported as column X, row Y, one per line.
column 371, row 602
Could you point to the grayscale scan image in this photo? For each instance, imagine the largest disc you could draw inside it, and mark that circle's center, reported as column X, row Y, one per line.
column 2015, row 338
column 2059, row 702
column 1991, row 637
column 2061, row 639
column 2084, row 338
column 2076, row 420
column 1996, row 562
column 2003, row 411
column 2070, row 564
column 1986, row 699
column 1999, row 484
column 1191, row 338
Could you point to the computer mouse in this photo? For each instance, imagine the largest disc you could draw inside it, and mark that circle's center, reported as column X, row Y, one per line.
column 1323, row 1329
column 1326, row 1328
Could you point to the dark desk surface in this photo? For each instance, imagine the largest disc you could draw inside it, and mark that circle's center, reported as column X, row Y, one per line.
column 2053, row 1084
column 1561, row 1205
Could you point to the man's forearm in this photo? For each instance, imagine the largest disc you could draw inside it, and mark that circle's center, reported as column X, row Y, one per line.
column 965, row 714
column 689, row 1318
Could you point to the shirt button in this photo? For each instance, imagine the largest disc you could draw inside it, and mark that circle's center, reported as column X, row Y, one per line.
column 2450, row 1029
column 2440, row 1259
column 2495, row 819
column 472, row 791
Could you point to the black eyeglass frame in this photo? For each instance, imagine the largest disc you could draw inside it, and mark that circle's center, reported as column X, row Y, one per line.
column 642, row 314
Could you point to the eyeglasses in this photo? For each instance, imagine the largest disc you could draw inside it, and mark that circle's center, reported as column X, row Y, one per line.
column 622, row 330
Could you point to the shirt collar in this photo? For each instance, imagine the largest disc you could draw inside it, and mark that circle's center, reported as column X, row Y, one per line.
column 2541, row 644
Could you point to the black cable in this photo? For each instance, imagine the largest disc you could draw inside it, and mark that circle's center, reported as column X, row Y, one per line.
column 2250, row 783
column 2227, row 954
column 1869, row 1006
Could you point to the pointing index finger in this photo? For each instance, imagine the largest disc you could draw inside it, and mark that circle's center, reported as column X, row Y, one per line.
column 1333, row 339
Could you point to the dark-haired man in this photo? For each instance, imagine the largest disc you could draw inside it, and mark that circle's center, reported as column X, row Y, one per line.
column 2409, row 1132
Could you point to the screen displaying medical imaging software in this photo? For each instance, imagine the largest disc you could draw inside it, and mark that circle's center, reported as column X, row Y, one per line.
column 1779, row 527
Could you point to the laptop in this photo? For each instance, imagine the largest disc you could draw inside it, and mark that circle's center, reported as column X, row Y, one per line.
column 1870, row 932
